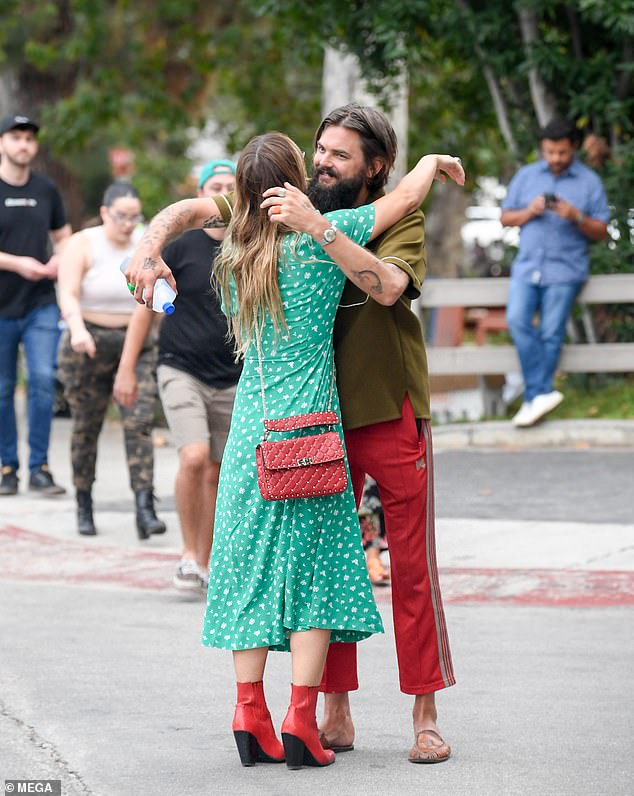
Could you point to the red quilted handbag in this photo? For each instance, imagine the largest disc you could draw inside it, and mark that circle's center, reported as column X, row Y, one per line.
column 300, row 467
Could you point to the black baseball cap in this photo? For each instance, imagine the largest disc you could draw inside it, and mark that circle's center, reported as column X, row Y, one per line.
column 18, row 122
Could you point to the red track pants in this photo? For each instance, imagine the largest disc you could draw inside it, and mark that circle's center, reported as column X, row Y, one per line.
column 399, row 458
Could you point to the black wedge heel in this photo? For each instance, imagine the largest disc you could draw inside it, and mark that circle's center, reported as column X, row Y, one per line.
column 300, row 735
column 298, row 754
column 295, row 751
column 252, row 727
column 248, row 747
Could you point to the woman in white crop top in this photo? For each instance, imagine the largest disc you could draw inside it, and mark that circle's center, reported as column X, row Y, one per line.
column 97, row 306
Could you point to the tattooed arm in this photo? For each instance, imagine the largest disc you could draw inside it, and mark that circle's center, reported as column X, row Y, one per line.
column 146, row 264
column 383, row 281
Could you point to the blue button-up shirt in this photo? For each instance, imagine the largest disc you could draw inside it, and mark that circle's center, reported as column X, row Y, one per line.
column 553, row 250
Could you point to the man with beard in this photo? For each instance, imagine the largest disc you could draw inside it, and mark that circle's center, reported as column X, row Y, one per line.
column 384, row 394
column 33, row 229
column 560, row 206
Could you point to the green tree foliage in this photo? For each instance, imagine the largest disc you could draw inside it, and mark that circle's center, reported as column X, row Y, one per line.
column 265, row 81
column 486, row 74
column 105, row 72
column 147, row 76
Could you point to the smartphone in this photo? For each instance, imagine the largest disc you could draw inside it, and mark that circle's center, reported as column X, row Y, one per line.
column 551, row 199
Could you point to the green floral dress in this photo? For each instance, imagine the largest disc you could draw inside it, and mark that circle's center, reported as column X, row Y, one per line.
column 289, row 565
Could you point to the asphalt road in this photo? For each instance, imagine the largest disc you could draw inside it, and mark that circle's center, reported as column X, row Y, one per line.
column 110, row 690
column 587, row 485
column 104, row 684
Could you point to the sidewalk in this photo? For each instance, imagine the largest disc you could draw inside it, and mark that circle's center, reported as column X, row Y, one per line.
column 580, row 433
column 104, row 684
column 476, row 560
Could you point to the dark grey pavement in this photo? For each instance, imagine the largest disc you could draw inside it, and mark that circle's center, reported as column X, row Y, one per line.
column 112, row 690
column 586, row 485
column 104, row 684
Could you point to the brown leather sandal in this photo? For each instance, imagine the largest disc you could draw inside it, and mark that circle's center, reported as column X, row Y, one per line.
column 336, row 748
column 429, row 752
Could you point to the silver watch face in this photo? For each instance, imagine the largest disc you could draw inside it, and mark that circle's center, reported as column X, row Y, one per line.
column 330, row 234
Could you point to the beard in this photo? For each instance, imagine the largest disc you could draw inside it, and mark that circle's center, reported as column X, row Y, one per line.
column 338, row 196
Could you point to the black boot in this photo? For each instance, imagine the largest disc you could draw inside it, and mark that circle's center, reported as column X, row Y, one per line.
column 147, row 522
column 85, row 522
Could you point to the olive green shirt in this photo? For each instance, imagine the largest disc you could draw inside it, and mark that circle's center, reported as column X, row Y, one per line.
column 379, row 351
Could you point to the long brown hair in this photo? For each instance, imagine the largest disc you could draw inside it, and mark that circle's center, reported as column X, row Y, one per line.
column 250, row 250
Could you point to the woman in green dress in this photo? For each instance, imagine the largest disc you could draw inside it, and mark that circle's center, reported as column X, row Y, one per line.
column 286, row 574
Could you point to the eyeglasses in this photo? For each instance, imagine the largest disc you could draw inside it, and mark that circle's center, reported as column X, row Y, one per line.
column 124, row 218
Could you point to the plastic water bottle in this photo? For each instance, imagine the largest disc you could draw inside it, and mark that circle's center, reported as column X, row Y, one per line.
column 163, row 297
column 164, row 293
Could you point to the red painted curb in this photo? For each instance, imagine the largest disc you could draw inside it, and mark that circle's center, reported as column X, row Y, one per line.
column 30, row 556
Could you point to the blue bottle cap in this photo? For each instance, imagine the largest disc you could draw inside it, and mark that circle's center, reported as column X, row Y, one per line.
column 168, row 308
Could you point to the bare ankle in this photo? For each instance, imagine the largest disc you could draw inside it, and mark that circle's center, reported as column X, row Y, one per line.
column 424, row 712
column 337, row 706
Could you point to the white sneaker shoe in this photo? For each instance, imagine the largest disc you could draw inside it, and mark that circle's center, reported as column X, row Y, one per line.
column 203, row 574
column 532, row 411
column 187, row 577
column 545, row 403
column 524, row 417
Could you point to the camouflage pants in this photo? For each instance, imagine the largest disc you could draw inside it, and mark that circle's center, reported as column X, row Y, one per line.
column 88, row 388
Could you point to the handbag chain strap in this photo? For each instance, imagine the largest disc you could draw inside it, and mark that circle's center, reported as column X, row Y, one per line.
column 259, row 349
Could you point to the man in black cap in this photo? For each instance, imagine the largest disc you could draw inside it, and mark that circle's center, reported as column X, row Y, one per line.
column 32, row 225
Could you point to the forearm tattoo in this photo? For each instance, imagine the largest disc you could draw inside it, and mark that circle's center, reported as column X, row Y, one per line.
column 369, row 281
column 213, row 222
column 168, row 225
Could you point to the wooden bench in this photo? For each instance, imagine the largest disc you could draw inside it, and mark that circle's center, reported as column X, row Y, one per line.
column 500, row 359
column 451, row 363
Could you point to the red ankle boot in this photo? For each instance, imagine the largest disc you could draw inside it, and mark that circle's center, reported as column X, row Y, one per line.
column 299, row 731
column 253, row 728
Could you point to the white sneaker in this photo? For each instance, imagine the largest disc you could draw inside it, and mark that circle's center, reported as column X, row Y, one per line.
column 545, row 403
column 525, row 415
column 532, row 411
column 203, row 574
column 187, row 577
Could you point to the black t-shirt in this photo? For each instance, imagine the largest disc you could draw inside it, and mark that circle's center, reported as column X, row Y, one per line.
column 27, row 214
column 194, row 337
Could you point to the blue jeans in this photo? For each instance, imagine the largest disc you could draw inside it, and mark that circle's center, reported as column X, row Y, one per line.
column 539, row 345
column 39, row 334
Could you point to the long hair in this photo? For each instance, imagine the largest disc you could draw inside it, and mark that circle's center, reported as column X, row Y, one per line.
column 249, row 256
column 378, row 139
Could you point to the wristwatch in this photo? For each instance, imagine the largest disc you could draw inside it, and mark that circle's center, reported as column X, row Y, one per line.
column 580, row 218
column 329, row 235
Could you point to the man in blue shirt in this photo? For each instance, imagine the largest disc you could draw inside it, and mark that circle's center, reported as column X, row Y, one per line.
column 560, row 205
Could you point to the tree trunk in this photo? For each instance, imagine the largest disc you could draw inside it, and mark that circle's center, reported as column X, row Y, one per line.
column 69, row 185
column 544, row 103
column 493, row 84
column 575, row 31
column 444, row 219
column 501, row 111
column 342, row 83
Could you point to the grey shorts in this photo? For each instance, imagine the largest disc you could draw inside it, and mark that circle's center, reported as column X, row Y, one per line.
column 194, row 411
